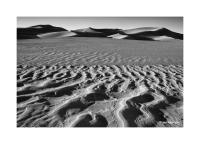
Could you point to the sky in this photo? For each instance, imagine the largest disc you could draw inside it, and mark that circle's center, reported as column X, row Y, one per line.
column 71, row 23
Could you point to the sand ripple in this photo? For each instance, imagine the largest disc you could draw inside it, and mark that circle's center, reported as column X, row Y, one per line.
column 99, row 95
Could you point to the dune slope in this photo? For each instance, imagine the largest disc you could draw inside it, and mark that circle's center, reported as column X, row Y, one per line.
column 60, row 34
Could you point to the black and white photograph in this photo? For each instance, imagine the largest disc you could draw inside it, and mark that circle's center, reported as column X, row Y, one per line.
column 103, row 71
column 99, row 72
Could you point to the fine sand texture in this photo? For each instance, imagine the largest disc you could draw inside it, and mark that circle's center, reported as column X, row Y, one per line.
column 99, row 82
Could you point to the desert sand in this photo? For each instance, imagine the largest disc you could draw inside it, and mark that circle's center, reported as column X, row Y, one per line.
column 99, row 82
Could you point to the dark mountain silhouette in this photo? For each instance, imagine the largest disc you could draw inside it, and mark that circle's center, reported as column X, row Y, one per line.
column 144, row 33
column 33, row 31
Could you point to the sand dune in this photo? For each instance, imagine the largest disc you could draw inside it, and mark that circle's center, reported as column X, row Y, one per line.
column 95, row 82
column 33, row 31
column 139, row 30
column 118, row 36
column 151, row 33
column 161, row 38
column 86, row 30
column 57, row 34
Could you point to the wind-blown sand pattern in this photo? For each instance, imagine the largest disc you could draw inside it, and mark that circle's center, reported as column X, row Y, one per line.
column 98, row 51
column 86, row 82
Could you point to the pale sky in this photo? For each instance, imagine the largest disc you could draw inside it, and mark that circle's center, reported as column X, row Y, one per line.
column 71, row 23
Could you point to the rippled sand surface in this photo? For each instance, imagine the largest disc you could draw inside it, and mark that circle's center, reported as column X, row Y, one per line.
column 93, row 82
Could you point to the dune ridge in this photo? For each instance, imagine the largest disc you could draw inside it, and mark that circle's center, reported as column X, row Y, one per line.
column 143, row 33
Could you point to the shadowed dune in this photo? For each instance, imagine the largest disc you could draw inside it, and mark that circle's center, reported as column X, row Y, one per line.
column 33, row 31
column 107, row 31
column 88, row 32
column 150, row 33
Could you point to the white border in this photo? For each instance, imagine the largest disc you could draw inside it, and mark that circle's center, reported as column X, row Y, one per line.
column 11, row 9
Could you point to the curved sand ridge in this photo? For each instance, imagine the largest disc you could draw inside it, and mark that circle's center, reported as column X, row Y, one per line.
column 100, row 96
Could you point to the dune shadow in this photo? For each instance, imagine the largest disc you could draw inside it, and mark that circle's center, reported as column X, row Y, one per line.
column 72, row 108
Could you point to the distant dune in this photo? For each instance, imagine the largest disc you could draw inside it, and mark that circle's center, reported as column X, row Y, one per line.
column 150, row 33
column 139, row 30
column 33, row 31
column 118, row 36
column 92, row 32
column 143, row 33
column 86, row 30
column 161, row 38
column 57, row 34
